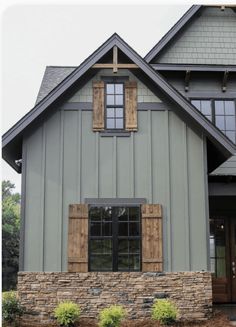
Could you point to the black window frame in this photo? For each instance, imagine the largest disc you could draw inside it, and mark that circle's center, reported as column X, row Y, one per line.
column 213, row 112
column 115, row 238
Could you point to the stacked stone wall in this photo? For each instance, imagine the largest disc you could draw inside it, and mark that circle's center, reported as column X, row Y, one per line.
column 41, row 292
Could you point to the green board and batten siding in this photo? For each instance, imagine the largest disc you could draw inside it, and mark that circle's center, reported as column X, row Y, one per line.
column 67, row 162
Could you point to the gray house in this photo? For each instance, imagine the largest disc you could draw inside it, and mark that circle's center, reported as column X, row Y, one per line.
column 128, row 175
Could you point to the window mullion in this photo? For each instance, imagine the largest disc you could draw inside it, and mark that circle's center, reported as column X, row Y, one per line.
column 115, row 239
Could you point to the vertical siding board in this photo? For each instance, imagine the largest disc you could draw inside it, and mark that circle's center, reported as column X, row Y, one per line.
column 106, row 180
column 197, row 210
column 70, row 155
column 61, row 194
column 33, row 237
column 89, row 161
column 149, row 148
column 186, row 199
column 132, row 166
column 52, row 222
column 97, row 165
column 160, row 176
column 114, row 168
column 124, row 168
column 177, row 144
column 43, row 196
column 79, row 140
column 141, row 157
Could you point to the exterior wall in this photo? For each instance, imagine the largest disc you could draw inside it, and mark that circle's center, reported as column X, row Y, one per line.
column 40, row 293
column 210, row 38
column 66, row 162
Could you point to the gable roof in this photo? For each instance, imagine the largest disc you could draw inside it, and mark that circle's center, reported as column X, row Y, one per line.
column 172, row 32
column 14, row 134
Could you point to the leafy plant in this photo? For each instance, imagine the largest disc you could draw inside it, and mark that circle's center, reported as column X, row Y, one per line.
column 164, row 311
column 10, row 235
column 112, row 316
column 67, row 313
column 11, row 307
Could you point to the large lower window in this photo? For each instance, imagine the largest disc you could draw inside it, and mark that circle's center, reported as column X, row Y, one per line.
column 221, row 112
column 114, row 238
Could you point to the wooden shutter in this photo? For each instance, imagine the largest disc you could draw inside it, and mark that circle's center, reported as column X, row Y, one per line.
column 78, row 238
column 152, row 237
column 131, row 105
column 98, row 106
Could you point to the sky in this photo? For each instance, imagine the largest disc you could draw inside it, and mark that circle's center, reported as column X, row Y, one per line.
column 39, row 35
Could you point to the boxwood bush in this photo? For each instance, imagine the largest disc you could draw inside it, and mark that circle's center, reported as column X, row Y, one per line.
column 11, row 307
column 164, row 311
column 67, row 313
column 112, row 316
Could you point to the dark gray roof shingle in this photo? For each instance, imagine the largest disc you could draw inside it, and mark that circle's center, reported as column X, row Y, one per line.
column 53, row 76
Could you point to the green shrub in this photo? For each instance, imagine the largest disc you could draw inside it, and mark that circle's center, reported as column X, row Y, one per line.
column 67, row 313
column 11, row 308
column 112, row 316
column 164, row 311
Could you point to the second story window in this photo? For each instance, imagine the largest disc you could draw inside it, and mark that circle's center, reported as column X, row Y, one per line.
column 221, row 112
column 114, row 102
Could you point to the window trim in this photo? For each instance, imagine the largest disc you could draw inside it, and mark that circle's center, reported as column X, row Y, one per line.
column 114, row 237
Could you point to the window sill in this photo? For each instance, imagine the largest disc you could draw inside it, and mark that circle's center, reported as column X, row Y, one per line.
column 113, row 133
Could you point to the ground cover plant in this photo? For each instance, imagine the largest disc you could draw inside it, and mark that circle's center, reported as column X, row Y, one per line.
column 67, row 314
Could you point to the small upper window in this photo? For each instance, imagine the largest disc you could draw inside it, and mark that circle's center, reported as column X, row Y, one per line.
column 114, row 99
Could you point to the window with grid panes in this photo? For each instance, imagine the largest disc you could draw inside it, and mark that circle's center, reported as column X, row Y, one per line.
column 114, row 100
column 221, row 112
column 114, row 238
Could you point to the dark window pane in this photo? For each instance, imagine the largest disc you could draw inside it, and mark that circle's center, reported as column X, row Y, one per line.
column 229, row 108
column 219, row 107
column 110, row 100
column 101, row 246
column 123, row 246
column 230, row 123
column 206, row 107
column 110, row 123
column 134, row 213
column 220, row 122
column 123, row 229
column 110, row 112
column 107, row 229
column 119, row 123
column 134, row 229
column 119, row 88
column 95, row 229
column 123, row 262
column 119, row 112
column 119, row 100
column 134, row 262
column 95, row 213
column 134, row 246
column 101, row 262
column 107, row 213
column 110, row 89
column 231, row 136
column 122, row 213
column 196, row 104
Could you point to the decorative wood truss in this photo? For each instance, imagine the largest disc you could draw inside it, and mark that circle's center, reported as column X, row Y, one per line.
column 115, row 65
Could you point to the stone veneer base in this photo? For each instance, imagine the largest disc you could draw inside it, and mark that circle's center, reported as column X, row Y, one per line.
column 40, row 292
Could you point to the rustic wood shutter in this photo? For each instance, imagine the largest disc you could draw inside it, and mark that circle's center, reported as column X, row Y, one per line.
column 78, row 238
column 131, row 105
column 152, row 237
column 98, row 106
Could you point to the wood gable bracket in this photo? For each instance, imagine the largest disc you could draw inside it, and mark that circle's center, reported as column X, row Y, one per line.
column 187, row 80
column 115, row 65
column 225, row 80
